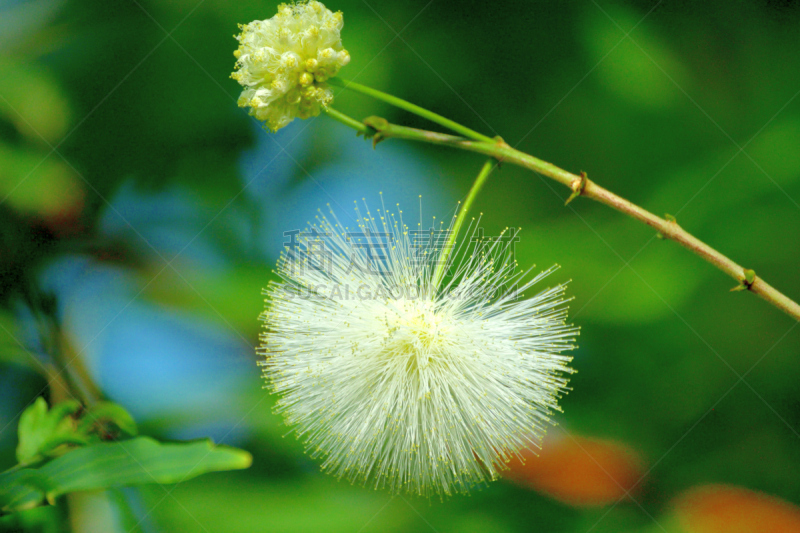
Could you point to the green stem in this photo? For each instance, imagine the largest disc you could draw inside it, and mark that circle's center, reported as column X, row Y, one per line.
column 380, row 129
column 411, row 108
column 79, row 382
column 483, row 175
column 67, row 375
column 346, row 120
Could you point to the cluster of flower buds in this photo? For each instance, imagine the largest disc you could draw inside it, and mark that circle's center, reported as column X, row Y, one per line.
column 283, row 63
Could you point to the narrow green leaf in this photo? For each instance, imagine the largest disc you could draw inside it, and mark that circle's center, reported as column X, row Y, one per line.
column 105, row 465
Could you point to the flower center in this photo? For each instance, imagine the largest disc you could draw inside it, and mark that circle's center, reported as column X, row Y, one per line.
column 416, row 333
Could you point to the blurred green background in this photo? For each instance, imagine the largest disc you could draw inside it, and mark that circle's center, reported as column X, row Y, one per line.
column 150, row 211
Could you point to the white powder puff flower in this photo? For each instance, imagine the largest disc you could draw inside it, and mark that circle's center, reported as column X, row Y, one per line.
column 396, row 383
column 284, row 62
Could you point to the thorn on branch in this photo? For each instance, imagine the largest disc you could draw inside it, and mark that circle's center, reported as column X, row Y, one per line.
column 747, row 281
column 578, row 186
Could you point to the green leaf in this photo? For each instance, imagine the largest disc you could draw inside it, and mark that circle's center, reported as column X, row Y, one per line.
column 20, row 489
column 105, row 465
column 41, row 431
column 41, row 520
column 101, row 414
column 44, row 434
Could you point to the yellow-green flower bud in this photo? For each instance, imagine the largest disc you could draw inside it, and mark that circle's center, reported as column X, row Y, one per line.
column 306, row 79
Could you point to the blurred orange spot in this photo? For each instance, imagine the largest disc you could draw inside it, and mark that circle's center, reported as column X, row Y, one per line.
column 720, row 508
column 578, row 470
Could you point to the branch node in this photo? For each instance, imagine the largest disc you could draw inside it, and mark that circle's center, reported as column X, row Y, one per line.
column 578, row 185
column 670, row 220
column 500, row 144
column 747, row 281
column 377, row 127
